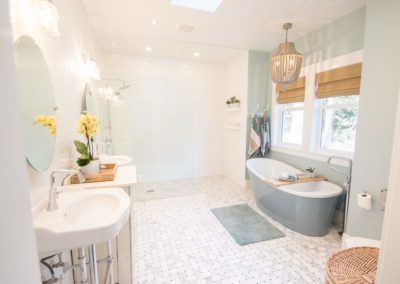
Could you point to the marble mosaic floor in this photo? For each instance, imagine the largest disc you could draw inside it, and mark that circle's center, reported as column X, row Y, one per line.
column 178, row 239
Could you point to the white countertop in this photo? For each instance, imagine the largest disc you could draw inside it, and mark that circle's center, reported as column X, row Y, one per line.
column 125, row 176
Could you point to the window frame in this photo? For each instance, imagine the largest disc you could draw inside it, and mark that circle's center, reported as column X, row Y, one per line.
column 280, row 111
column 312, row 116
column 318, row 140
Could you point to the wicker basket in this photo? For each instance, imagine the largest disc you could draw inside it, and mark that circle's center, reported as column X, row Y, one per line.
column 354, row 265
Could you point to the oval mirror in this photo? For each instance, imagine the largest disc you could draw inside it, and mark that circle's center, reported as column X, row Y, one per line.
column 35, row 93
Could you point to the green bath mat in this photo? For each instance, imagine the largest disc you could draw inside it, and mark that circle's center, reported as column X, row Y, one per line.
column 245, row 225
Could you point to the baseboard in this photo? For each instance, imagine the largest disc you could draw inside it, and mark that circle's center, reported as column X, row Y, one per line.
column 345, row 236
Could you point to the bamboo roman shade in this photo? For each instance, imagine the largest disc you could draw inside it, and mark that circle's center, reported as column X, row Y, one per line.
column 344, row 81
column 293, row 93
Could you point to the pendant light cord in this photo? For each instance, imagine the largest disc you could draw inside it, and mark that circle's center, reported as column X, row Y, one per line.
column 286, row 34
column 286, row 27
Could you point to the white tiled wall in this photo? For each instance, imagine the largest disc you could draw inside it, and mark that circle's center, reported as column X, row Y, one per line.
column 171, row 119
column 64, row 55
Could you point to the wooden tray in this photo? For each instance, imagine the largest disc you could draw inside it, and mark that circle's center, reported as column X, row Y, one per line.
column 302, row 179
column 107, row 173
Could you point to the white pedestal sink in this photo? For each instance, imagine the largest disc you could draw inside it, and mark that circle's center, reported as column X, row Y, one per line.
column 84, row 217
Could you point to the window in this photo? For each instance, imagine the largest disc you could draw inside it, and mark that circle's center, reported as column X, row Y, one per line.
column 291, row 109
column 338, row 123
column 292, row 123
column 204, row 5
column 319, row 118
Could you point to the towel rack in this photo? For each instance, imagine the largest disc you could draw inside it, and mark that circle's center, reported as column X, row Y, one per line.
column 254, row 113
column 232, row 126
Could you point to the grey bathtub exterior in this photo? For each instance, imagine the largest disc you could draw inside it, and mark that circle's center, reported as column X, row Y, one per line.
column 308, row 216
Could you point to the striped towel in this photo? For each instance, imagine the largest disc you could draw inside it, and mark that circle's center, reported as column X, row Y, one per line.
column 266, row 136
column 255, row 137
column 260, row 137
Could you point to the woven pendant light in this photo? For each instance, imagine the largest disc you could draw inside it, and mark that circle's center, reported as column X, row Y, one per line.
column 285, row 65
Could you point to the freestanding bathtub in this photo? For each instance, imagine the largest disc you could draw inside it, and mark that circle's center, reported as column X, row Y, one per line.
column 306, row 208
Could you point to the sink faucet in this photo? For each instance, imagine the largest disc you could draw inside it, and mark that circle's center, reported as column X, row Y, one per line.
column 52, row 205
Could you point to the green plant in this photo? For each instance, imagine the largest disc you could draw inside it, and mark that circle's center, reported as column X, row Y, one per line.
column 88, row 125
column 82, row 149
column 228, row 102
column 234, row 100
column 310, row 170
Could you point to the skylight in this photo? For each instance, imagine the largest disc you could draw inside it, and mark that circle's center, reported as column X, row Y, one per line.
column 204, row 5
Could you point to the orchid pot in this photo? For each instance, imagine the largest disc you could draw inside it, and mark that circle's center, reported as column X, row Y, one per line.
column 92, row 170
column 88, row 125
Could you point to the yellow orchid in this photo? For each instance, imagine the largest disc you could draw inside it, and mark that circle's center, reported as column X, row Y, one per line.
column 88, row 125
column 48, row 121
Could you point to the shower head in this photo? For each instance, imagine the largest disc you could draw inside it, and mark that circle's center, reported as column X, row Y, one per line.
column 124, row 84
column 114, row 92
column 123, row 87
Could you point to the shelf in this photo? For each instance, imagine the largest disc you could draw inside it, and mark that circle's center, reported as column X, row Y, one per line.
column 232, row 126
column 232, row 109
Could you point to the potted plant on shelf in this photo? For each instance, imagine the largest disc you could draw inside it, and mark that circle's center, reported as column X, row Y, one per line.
column 88, row 125
column 234, row 102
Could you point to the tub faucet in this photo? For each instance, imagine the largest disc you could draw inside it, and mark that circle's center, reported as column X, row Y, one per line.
column 345, row 205
column 52, row 204
column 338, row 170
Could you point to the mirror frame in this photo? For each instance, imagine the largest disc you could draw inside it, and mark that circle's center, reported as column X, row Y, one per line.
column 55, row 108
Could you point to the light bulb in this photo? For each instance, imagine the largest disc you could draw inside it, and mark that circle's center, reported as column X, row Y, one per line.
column 91, row 71
column 48, row 17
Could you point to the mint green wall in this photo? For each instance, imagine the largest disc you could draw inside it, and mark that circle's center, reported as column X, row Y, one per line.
column 259, row 83
column 379, row 92
column 340, row 37
column 259, row 86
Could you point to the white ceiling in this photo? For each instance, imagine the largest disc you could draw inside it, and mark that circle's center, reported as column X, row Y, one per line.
column 124, row 26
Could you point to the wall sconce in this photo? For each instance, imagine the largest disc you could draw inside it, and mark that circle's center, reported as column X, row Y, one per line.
column 106, row 92
column 48, row 17
column 90, row 69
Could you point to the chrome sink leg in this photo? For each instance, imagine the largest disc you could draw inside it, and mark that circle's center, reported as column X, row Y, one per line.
column 109, row 274
column 82, row 265
column 93, row 263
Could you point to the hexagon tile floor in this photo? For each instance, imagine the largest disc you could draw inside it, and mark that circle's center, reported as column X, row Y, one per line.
column 178, row 239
